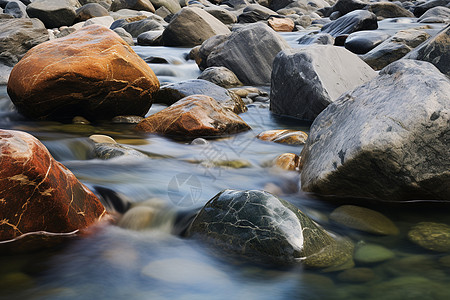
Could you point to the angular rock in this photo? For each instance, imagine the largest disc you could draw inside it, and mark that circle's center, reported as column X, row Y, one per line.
column 194, row 116
column 281, row 24
column 17, row 36
column 249, row 53
column 431, row 236
column 220, row 13
column 353, row 21
column 200, row 53
column 435, row 50
column 306, row 80
column 191, row 26
column 91, row 73
column 385, row 10
column 90, row 10
column 284, row 136
column 16, row 9
column 172, row 5
column 439, row 14
column 171, row 93
column 53, row 13
column 145, row 5
column 259, row 226
column 138, row 27
column 386, row 139
column 361, row 42
column 38, row 193
column 221, row 76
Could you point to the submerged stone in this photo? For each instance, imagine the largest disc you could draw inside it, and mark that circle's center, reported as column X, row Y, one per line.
column 284, row 136
column 431, row 236
column 371, row 253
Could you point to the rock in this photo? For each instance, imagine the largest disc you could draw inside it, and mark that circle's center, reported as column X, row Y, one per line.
column 172, row 5
column 164, row 13
column 127, row 119
column 192, row 26
column 113, row 81
column 361, row 42
column 281, row 24
column 171, row 93
column 385, row 10
column 221, row 76
column 306, row 80
column 316, row 38
column 150, row 38
column 104, row 148
column 356, row 275
column 363, row 219
column 394, row 48
column 38, row 193
column 53, row 13
column 284, row 136
column 248, row 52
column 439, row 14
column 138, row 27
column 431, row 236
column 17, row 36
column 353, row 21
column 90, row 10
column 105, row 21
column 16, row 9
column 254, row 13
column 194, row 116
column 4, row 73
column 124, row 35
column 435, row 50
column 200, row 53
column 420, row 9
column 386, row 139
column 145, row 5
column 262, row 227
column 344, row 7
column 287, row 161
column 371, row 253
column 220, row 13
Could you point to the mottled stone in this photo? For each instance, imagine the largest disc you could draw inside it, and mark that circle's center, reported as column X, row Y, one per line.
column 431, row 236
column 194, row 116
column 287, row 161
column 16, row 9
column 284, row 136
column 91, row 73
column 173, row 6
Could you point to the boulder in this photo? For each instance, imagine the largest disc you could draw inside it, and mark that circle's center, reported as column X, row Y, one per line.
column 191, row 26
column 361, row 42
column 316, row 38
column 421, row 8
column 222, row 14
column 287, row 161
column 254, row 13
column 431, row 236
column 138, row 27
column 91, row 73
column 284, row 136
column 53, row 13
column 435, row 50
column 125, row 36
column 150, row 38
column 249, row 53
column 17, row 36
column 281, row 24
column 221, row 76
column 38, row 193
column 172, row 5
column 171, row 93
column 145, row 5
column 194, row 116
column 386, row 139
column 90, row 10
column 344, row 7
column 306, row 80
column 16, row 9
column 261, row 227
column 105, row 21
column 385, row 10
column 438, row 14
column 353, row 21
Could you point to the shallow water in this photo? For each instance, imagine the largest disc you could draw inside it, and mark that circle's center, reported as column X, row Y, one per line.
column 117, row 263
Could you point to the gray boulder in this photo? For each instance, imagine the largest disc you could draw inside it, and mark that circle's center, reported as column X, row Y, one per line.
column 138, row 27
column 221, row 76
column 124, row 35
column 172, row 5
column 421, row 8
column 150, row 38
column 145, row 5
column 306, row 80
column 17, row 36
column 105, row 21
column 389, row 10
column 191, row 26
column 249, row 52
column 438, row 14
column 90, row 10
column 316, row 38
column 254, row 13
column 16, row 9
column 353, row 21
column 387, row 139
column 222, row 14
column 344, row 7
column 53, row 13
column 361, row 42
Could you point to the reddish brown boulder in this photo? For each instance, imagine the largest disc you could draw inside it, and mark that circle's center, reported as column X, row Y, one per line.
column 194, row 116
column 91, row 72
column 38, row 193
column 281, row 24
column 288, row 161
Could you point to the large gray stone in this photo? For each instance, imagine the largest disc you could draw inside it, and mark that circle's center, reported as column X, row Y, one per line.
column 53, row 13
column 145, row 5
column 249, row 53
column 191, row 26
column 90, row 10
column 254, row 13
column 420, row 9
column 389, row 10
column 221, row 76
column 172, row 5
column 345, row 6
column 222, row 14
column 353, row 21
column 138, row 27
column 306, row 80
column 387, row 139
column 438, row 14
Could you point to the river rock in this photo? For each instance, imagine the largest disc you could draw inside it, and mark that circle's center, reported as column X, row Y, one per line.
column 16, row 9
column 105, row 21
column 17, row 36
column 138, row 27
column 363, row 219
column 306, row 80
column 194, row 116
column 344, row 7
column 106, row 147
column 150, row 38
column 439, row 14
column 435, row 50
column 192, row 26
column 53, row 13
column 222, row 14
column 385, row 10
column 356, row 275
column 173, row 6
column 90, row 10
column 421, row 8
column 221, row 76
column 316, row 38
column 371, row 253
column 249, row 53
column 361, row 42
column 145, row 5
column 288, row 161
column 284, row 136
column 375, row 141
column 171, row 93
column 113, row 81
column 394, row 48
column 38, row 193
column 4, row 73
column 431, row 236
column 281, row 24
column 353, row 21
column 124, row 35
column 258, row 225
column 254, row 13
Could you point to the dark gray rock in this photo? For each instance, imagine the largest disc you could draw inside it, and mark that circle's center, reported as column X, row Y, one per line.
column 53, row 13
column 306, row 80
column 344, row 7
column 254, row 13
column 236, row 4
column 316, row 38
column 420, row 9
column 171, row 93
column 150, row 38
column 138, row 27
column 16, row 9
column 389, row 10
column 90, row 10
column 438, row 14
column 353, row 21
column 249, row 52
column 435, row 50
column 213, row 43
column 387, row 139
column 172, row 5
column 361, row 42
column 259, row 226
column 145, row 5
column 221, row 76
column 17, row 36
column 124, row 35
column 225, row 16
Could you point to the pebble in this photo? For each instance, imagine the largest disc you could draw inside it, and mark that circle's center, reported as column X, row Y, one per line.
column 371, row 253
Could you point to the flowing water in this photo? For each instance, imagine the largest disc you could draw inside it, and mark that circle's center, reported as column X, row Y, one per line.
column 119, row 263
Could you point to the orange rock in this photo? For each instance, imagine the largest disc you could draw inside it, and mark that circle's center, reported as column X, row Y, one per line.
column 288, row 161
column 91, row 73
column 282, row 24
column 284, row 136
column 194, row 116
column 38, row 193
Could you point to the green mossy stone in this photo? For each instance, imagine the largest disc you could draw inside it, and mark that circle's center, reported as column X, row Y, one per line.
column 431, row 236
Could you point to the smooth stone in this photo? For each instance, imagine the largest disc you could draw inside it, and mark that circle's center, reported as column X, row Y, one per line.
column 173, row 6
column 101, row 138
column 411, row 264
column 127, row 119
column 4, row 73
column 316, row 38
column 363, row 219
column 105, row 21
column 284, row 136
column 138, row 27
column 16, row 9
column 344, row 7
column 371, row 253
column 353, row 21
column 80, row 120
column 150, row 38
column 199, row 141
column 222, row 14
column 254, row 13
column 384, row 10
column 138, row 5
column 112, row 150
column 281, row 24
column 421, row 8
column 124, row 35
column 361, row 42
column 53, row 13
column 356, row 275
column 287, row 161
column 221, row 76
column 431, row 236
column 89, row 11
